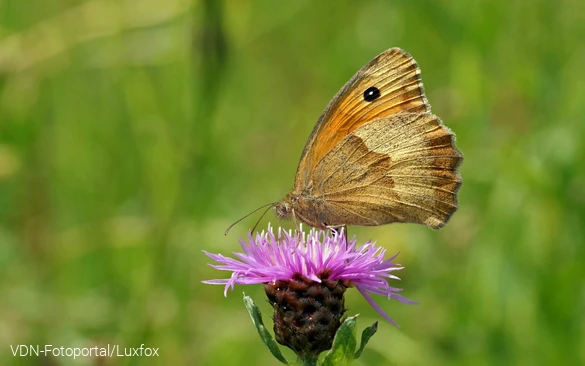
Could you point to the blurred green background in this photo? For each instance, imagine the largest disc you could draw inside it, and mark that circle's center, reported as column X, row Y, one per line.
column 133, row 132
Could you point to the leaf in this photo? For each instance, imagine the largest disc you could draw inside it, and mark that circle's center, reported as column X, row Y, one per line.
column 265, row 335
column 366, row 335
column 344, row 344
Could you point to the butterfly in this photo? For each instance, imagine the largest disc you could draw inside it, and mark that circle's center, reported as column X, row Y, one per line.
column 377, row 154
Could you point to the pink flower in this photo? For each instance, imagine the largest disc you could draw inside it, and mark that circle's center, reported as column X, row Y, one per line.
column 317, row 256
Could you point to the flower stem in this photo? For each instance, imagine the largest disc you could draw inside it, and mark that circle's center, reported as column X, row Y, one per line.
column 309, row 361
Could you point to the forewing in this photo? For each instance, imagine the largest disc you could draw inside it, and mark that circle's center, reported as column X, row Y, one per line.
column 401, row 168
column 395, row 74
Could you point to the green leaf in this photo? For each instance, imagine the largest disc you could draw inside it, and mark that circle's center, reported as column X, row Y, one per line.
column 344, row 344
column 366, row 335
column 265, row 335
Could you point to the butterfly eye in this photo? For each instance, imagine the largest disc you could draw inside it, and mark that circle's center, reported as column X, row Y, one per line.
column 372, row 93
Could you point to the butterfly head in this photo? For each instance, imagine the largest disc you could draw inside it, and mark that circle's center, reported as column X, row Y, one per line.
column 299, row 207
column 284, row 208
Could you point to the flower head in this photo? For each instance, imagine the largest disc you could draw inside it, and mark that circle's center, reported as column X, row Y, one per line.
column 319, row 257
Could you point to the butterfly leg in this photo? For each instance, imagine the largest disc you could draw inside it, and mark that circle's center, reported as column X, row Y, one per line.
column 339, row 230
column 297, row 224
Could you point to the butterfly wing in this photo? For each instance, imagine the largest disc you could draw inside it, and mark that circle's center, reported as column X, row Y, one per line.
column 395, row 74
column 401, row 168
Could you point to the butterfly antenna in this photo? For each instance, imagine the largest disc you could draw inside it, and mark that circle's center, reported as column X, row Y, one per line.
column 258, row 209
column 261, row 216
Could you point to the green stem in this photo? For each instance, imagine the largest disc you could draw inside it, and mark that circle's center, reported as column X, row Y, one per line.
column 309, row 360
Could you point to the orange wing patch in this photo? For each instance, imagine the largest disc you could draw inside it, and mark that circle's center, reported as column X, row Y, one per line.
column 395, row 75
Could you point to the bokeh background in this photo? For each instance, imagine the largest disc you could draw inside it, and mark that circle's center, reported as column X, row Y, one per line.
column 133, row 132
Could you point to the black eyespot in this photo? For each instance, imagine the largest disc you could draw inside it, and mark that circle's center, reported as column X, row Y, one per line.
column 372, row 93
